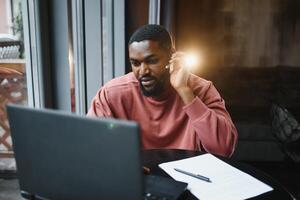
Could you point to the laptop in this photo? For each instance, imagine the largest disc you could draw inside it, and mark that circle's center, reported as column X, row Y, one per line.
column 66, row 156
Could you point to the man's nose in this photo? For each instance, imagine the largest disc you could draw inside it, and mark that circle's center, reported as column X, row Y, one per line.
column 144, row 69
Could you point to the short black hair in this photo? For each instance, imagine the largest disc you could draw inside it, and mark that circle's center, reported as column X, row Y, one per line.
column 152, row 32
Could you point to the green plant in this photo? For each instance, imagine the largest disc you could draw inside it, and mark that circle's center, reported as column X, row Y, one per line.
column 17, row 28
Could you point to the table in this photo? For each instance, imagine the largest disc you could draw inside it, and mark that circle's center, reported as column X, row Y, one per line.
column 151, row 159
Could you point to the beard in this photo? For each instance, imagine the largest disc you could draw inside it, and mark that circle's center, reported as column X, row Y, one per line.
column 157, row 89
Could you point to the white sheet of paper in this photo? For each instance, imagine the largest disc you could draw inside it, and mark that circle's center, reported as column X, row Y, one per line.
column 227, row 182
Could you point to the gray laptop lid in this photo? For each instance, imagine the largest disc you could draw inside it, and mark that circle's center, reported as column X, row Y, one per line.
column 64, row 156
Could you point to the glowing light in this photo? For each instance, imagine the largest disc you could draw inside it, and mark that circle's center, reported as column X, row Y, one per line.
column 191, row 59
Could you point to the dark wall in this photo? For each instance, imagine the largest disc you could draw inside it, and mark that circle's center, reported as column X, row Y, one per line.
column 198, row 27
column 252, row 33
column 136, row 12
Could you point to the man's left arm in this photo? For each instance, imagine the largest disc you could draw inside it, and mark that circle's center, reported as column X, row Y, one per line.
column 210, row 119
column 212, row 123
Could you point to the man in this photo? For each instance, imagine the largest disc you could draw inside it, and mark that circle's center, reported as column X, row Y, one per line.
column 175, row 109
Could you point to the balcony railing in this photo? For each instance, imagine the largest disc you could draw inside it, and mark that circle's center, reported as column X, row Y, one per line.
column 13, row 89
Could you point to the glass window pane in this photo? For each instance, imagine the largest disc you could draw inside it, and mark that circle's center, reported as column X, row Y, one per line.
column 13, row 87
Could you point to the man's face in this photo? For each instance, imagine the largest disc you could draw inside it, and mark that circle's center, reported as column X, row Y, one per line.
column 148, row 61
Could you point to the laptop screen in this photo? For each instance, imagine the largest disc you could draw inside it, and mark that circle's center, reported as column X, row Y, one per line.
column 65, row 156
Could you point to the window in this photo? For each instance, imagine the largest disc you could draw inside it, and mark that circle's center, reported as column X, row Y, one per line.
column 13, row 83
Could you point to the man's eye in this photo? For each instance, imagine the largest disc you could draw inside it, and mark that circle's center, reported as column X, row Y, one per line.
column 152, row 61
column 135, row 63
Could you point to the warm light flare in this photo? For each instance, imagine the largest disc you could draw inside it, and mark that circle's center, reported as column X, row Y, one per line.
column 191, row 59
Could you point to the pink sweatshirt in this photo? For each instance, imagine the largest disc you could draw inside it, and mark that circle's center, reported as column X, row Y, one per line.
column 203, row 125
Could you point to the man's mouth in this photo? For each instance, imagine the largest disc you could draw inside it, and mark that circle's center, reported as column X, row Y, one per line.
column 147, row 81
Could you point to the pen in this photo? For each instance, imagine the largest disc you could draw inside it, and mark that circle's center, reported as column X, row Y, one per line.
column 203, row 178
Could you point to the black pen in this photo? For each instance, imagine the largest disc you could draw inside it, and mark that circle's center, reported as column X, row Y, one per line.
column 203, row 178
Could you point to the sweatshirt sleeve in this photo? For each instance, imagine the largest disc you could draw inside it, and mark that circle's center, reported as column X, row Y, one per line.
column 212, row 123
column 100, row 105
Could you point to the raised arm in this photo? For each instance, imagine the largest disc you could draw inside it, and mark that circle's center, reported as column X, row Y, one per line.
column 205, row 108
column 212, row 123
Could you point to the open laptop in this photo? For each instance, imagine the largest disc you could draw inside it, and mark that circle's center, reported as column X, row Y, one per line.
column 65, row 156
